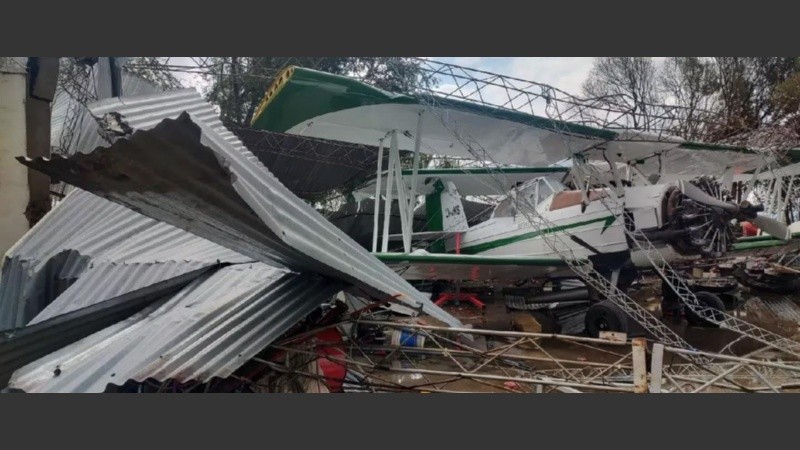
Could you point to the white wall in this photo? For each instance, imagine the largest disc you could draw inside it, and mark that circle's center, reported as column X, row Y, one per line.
column 13, row 175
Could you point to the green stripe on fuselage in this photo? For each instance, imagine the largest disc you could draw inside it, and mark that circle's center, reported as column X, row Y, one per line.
column 480, row 248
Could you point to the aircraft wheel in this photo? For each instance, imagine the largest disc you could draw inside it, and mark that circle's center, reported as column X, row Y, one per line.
column 605, row 316
column 709, row 300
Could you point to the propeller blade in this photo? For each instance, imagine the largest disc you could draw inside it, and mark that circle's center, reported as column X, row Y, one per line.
column 727, row 180
column 772, row 227
column 697, row 194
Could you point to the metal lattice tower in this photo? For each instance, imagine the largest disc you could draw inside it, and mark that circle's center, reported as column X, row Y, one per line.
column 568, row 108
column 558, row 242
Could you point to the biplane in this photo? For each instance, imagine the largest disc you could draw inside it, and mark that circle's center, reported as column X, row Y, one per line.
column 676, row 193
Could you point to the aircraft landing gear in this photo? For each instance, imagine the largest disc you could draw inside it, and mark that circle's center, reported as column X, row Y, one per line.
column 605, row 316
column 708, row 300
column 671, row 305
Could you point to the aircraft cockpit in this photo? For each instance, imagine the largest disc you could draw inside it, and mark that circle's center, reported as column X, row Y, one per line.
column 534, row 193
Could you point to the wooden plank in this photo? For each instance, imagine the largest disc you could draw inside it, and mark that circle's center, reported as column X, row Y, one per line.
column 525, row 322
column 639, row 365
column 656, row 366
column 613, row 336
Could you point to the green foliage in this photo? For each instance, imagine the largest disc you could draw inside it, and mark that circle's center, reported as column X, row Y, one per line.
column 786, row 97
column 720, row 96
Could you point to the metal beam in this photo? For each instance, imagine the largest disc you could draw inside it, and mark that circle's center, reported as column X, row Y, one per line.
column 387, row 210
column 379, row 177
column 415, row 172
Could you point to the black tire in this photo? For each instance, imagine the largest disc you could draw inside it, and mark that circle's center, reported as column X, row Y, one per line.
column 706, row 299
column 605, row 316
column 730, row 301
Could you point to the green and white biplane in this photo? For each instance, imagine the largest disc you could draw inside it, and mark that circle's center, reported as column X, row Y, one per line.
column 522, row 159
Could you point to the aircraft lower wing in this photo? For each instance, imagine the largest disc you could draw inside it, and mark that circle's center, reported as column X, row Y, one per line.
column 469, row 180
column 764, row 241
column 438, row 266
column 425, row 236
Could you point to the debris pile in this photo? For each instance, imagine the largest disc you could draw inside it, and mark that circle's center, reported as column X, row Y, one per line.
column 779, row 273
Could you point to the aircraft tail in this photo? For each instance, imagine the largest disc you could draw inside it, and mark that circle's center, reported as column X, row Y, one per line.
column 444, row 209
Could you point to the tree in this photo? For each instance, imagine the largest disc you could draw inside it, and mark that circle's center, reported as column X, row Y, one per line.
column 238, row 83
column 747, row 92
column 768, row 74
column 627, row 82
column 154, row 69
column 690, row 83
column 786, row 101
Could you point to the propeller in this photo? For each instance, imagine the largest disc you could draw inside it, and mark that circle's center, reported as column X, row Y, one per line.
column 742, row 212
column 772, row 227
column 695, row 193
column 727, row 180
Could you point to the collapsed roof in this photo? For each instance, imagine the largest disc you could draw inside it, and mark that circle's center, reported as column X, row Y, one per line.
column 189, row 199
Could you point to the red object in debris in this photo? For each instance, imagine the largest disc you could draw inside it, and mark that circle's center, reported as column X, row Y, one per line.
column 748, row 229
column 512, row 385
column 332, row 347
column 452, row 296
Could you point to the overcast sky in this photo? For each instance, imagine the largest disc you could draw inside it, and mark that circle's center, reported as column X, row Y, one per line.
column 565, row 73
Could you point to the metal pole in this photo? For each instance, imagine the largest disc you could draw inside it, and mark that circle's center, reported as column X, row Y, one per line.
column 379, row 175
column 387, row 208
column 483, row 376
column 478, row 354
column 493, row 332
column 402, row 200
column 415, row 171
column 681, row 351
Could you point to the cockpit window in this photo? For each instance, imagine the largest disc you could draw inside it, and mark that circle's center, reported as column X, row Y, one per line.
column 531, row 193
column 505, row 208
column 555, row 184
column 544, row 191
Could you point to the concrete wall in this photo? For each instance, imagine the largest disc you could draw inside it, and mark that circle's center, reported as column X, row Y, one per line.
column 13, row 175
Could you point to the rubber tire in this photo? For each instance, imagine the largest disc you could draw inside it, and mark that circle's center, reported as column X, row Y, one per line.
column 730, row 301
column 709, row 300
column 605, row 316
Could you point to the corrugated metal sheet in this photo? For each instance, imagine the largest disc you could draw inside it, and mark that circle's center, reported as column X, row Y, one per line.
column 784, row 307
column 85, row 230
column 21, row 346
column 194, row 174
column 68, row 115
column 108, row 280
column 106, row 231
column 207, row 330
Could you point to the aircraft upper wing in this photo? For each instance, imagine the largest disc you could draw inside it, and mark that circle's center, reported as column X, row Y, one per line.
column 318, row 104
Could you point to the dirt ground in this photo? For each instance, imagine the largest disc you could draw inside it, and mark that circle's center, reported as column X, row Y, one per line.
column 774, row 312
column 778, row 313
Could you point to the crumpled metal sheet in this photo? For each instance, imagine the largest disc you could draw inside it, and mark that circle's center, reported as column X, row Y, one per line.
column 85, row 231
column 193, row 173
column 207, row 330
column 21, row 346
column 72, row 127
column 108, row 280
